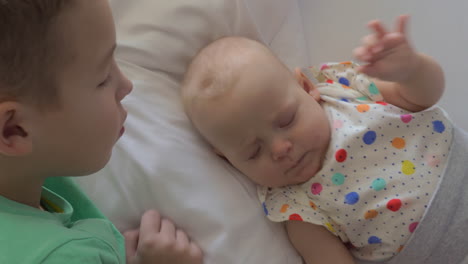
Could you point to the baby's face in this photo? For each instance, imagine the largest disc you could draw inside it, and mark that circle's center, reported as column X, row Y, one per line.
column 269, row 127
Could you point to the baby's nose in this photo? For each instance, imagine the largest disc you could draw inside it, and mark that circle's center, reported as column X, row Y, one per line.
column 281, row 149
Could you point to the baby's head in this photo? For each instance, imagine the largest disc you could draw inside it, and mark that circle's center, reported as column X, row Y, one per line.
column 60, row 88
column 257, row 114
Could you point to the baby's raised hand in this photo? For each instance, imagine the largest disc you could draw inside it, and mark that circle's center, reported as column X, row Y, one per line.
column 388, row 54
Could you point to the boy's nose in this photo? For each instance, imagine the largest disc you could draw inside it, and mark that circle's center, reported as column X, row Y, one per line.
column 125, row 88
column 281, row 149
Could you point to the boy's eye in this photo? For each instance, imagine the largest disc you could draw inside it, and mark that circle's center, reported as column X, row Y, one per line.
column 106, row 81
column 255, row 154
column 287, row 121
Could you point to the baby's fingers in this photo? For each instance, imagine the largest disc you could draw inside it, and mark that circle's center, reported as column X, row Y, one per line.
column 378, row 28
column 370, row 45
column 362, row 54
column 401, row 25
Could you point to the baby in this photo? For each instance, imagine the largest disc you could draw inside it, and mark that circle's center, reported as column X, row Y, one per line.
column 350, row 158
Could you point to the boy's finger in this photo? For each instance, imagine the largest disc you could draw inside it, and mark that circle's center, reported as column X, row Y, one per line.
column 196, row 252
column 168, row 228
column 402, row 22
column 150, row 223
column 377, row 27
column 131, row 243
column 182, row 238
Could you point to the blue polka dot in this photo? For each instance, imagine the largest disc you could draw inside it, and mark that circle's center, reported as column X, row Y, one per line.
column 351, row 198
column 379, row 184
column 344, row 100
column 369, row 137
column 374, row 240
column 265, row 208
column 438, row 126
column 344, row 81
column 338, row 179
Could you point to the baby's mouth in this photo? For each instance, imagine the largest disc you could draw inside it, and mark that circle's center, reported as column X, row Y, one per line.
column 297, row 163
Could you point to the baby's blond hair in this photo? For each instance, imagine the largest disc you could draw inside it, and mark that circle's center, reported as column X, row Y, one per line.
column 216, row 68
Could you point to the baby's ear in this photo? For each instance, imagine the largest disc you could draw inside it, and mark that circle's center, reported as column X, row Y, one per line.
column 306, row 84
column 14, row 135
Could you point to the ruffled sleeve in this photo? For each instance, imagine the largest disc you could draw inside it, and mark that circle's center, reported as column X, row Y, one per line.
column 290, row 203
column 342, row 80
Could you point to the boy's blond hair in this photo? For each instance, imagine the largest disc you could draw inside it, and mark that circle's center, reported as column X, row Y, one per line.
column 31, row 50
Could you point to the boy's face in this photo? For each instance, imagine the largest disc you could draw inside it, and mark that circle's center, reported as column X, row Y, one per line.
column 269, row 127
column 78, row 138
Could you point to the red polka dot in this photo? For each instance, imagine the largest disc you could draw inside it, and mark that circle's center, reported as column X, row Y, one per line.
column 381, row 103
column 341, row 155
column 329, row 81
column 394, row 205
column 295, row 217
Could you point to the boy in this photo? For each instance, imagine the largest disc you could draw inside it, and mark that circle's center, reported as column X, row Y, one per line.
column 334, row 160
column 61, row 114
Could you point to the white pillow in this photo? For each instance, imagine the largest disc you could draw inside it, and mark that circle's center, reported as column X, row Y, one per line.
column 161, row 162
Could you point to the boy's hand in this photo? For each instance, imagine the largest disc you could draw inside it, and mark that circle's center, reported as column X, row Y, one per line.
column 158, row 241
column 389, row 55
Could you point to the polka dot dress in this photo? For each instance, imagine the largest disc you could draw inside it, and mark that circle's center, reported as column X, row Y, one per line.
column 380, row 172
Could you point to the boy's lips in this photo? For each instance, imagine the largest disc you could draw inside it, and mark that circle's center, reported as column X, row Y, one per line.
column 122, row 130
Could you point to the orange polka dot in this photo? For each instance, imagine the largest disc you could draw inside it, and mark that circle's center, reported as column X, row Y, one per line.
column 400, row 249
column 284, row 208
column 398, row 143
column 362, row 108
column 313, row 205
column 346, row 62
column 345, row 86
column 371, row 214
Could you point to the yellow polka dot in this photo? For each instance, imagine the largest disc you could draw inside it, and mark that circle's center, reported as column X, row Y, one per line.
column 362, row 108
column 398, row 143
column 330, row 227
column 284, row 208
column 407, row 167
column 313, row 205
column 370, row 214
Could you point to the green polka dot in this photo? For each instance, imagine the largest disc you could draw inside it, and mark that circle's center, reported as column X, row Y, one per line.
column 379, row 184
column 373, row 89
column 338, row 179
column 363, row 98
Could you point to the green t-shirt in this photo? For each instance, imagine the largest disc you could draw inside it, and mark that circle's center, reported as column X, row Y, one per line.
column 71, row 231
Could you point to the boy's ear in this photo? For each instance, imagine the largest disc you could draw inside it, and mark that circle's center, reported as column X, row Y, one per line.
column 14, row 137
column 306, row 84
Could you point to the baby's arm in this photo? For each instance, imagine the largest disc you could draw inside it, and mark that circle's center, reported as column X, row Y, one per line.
column 316, row 244
column 405, row 78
